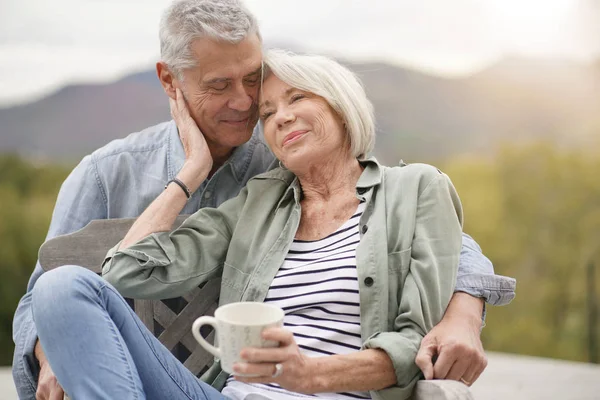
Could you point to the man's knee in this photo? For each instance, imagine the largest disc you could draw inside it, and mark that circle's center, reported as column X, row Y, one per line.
column 60, row 286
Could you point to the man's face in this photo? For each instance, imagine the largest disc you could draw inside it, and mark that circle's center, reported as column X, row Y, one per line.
column 222, row 91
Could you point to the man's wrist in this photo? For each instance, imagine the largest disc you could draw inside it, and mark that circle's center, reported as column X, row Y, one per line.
column 467, row 308
column 39, row 353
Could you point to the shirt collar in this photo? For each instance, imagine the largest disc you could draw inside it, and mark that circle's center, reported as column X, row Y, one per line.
column 238, row 162
column 371, row 175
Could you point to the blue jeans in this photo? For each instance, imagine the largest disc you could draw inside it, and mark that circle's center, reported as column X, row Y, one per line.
column 97, row 346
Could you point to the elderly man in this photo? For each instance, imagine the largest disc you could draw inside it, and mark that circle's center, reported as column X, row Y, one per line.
column 211, row 51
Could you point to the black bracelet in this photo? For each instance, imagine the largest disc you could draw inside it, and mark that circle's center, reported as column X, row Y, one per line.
column 182, row 185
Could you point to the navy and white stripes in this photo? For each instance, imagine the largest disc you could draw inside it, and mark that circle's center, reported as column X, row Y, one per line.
column 317, row 287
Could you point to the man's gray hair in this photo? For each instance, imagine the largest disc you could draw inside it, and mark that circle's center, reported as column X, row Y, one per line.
column 340, row 87
column 187, row 20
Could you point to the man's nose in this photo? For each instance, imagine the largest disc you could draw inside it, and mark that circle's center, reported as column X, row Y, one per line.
column 241, row 99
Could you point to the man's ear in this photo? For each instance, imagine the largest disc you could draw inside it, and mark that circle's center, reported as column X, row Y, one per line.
column 167, row 79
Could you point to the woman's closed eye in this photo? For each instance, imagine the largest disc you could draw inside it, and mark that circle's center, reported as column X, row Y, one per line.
column 297, row 97
column 266, row 114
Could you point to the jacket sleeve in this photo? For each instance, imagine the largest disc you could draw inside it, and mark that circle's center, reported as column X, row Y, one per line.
column 170, row 264
column 80, row 200
column 429, row 283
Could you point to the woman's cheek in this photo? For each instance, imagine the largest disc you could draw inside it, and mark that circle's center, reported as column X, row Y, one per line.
column 269, row 133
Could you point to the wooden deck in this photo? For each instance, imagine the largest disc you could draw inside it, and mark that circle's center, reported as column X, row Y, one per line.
column 508, row 377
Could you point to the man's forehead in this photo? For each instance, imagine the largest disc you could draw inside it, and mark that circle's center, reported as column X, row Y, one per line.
column 218, row 59
column 220, row 72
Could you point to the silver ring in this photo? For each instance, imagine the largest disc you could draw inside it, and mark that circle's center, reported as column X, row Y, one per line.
column 278, row 370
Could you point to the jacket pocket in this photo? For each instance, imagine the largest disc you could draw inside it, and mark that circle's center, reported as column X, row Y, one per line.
column 399, row 262
column 233, row 283
column 398, row 267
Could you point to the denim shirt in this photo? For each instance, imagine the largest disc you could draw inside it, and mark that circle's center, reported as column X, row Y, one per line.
column 122, row 178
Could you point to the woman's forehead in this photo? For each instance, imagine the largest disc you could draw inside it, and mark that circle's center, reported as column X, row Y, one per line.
column 272, row 89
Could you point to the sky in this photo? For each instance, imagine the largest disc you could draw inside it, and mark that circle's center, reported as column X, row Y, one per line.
column 46, row 44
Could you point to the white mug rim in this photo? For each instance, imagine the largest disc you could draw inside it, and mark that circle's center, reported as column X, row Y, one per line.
column 223, row 308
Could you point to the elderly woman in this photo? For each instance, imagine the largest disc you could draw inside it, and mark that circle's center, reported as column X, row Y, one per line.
column 362, row 257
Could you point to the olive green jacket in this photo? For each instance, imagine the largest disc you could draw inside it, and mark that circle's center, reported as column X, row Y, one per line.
column 407, row 258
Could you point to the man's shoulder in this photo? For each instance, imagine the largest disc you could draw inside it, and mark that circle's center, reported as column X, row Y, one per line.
column 416, row 176
column 137, row 144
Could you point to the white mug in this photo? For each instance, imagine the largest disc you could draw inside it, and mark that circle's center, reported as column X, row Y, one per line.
column 238, row 325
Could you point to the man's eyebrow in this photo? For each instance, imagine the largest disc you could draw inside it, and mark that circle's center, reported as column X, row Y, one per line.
column 255, row 72
column 216, row 80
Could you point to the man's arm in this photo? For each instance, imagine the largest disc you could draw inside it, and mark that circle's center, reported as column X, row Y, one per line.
column 79, row 201
column 455, row 341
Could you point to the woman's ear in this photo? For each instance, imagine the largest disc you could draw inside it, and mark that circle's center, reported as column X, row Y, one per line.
column 167, row 79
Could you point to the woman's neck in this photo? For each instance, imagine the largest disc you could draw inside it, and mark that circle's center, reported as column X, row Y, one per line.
column 333, row 178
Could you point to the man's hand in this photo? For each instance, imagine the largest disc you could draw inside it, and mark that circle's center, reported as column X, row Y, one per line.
column 48, row 387
column 455, row 342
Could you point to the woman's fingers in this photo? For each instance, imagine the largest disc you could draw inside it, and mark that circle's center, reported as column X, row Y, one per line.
column 265, row 370
column 181, row 105
column 281, row 335
column 258, row 355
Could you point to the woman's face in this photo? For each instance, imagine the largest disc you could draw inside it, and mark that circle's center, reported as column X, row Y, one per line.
column 300, row 127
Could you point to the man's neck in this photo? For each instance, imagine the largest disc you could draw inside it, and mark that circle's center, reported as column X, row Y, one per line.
column 220, row 155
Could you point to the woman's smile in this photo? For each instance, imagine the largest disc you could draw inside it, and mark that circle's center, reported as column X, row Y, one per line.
column 293, row 137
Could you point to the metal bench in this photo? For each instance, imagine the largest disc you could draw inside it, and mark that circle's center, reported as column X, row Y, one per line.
column 171, row 320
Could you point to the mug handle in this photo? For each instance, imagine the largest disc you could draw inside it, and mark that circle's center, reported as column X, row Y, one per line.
column 206, row 320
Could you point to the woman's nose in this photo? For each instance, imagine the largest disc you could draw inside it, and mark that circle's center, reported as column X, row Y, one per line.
column 283, row 117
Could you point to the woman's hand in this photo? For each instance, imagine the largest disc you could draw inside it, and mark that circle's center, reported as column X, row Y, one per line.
column 296, row 373
column 198, row 160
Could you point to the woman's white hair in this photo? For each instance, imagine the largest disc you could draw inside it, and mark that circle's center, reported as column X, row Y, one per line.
column 187, row 20
column 340, row 87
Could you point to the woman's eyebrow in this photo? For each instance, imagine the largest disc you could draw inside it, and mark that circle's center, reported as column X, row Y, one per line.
column 264, row 104
column 287, row 93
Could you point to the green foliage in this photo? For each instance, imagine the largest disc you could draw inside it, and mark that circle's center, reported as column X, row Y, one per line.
column 27, row 195
column 535, row 211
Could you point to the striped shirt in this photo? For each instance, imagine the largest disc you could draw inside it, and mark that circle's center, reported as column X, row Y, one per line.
column 317, row 287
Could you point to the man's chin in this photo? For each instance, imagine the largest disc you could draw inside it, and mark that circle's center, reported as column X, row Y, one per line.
column 235, row 137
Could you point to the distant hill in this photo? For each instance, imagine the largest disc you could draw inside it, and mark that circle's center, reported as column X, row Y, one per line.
column 419, row 117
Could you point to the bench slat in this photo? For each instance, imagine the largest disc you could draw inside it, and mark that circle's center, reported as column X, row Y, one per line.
column 198, row 306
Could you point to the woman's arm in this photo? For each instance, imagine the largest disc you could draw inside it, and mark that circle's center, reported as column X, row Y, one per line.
column 150, row 262
column 359, row 371
column 162, row 212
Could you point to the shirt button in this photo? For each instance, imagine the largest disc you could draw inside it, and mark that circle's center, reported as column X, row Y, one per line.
column 364, row 229
column 207, row 194
column 369, row 281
